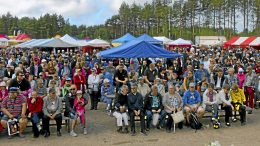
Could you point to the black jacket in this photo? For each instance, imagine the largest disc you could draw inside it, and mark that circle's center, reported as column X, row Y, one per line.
column 135, row 102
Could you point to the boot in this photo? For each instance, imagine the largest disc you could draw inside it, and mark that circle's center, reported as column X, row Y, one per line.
column 119, row 130
column 126, row 130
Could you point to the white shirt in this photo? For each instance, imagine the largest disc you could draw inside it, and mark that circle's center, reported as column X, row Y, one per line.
column 218, row 83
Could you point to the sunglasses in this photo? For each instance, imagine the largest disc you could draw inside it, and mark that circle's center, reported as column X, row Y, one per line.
column 72, row 89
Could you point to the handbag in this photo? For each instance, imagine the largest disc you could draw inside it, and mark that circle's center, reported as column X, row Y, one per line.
column 178, row 117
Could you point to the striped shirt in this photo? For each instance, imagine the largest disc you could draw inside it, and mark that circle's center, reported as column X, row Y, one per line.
column 14, row 106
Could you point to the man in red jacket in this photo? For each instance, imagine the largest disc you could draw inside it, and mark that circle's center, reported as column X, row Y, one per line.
column 35, row 105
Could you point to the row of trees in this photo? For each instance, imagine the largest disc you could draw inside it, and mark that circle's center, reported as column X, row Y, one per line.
column 172, row 18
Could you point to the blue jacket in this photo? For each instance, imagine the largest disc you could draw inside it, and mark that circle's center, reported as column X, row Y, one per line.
column 188, row 99
column 201, row 73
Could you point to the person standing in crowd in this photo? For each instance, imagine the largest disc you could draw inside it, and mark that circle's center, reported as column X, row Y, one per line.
column 201, row 73
column 9, row 72
column 136, row 108
column 52, row 109
column 21, row 83
column 153, row 108
column 121, row 108
column 35, row 104
column 65, row 70
column 2, row 67
column 225, row 99
column 79, row 103
column 143, row 87
column 143, row 68
column 93, row 87
column 238, row 100
column 36, row 68
column 111, row 69
column 3, row 91
column 187, row 80
column 218, row 80
column 249, row 86
column 121, row 77
column 241, row 78
column 231, row 78
column 14, row 107
column 150, row 74
column 192, row 102
column 79, row 80
column 40, row 89
column 172, row 102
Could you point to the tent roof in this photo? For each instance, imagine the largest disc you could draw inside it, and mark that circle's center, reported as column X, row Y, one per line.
column 239, row 41
column 138, row 49
column 23, row 45
column 67, row 38
column 124, row 39
column 147, row 38
column 98, row 43
column 164, row 39
column 54, row 43
column 231, row 41
column 180, row 42
column 247, row 41
column 255, row 42
column 3, row 39
column 3, row 36
column 23, row 36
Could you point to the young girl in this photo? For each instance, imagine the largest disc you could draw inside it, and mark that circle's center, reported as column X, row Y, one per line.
column 80, row 108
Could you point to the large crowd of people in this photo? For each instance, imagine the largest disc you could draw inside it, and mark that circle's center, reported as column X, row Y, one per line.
column 35, row 85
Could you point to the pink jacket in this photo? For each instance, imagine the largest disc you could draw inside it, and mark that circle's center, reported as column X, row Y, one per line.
column 80, row 109
column 241, row 79
column 3, row 95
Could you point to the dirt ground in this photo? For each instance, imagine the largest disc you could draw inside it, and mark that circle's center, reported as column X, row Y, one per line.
column 102, row 131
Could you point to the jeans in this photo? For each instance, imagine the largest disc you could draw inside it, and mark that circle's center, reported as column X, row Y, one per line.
column 149, row 116
column 35, row 119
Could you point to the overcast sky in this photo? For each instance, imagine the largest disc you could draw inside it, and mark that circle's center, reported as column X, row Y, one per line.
column 88, row 12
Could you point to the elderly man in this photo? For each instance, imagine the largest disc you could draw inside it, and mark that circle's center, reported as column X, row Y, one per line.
column 40, row 89
column 192, row 102
column 14, row 107
column 231, row 78
column 136, row 108
column 70, row 111
column 52, row 109
column 143, row 87
column 35, row 104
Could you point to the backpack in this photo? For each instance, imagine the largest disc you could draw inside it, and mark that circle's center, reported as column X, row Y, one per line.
column 194, row 122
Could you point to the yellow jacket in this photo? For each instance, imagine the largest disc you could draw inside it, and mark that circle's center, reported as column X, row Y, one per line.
column 238, row 96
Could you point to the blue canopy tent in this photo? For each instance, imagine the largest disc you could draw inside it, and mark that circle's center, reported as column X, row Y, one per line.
column 149, row 39
column 138, row 49
column 124, row 39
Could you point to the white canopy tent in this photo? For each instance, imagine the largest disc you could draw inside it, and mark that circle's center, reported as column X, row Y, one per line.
column 180, row 42
column 68, row 39
column 3, row 42
column 164, row 39
column 98, row 43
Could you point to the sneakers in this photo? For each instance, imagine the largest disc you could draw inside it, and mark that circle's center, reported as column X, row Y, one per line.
column 120, row 130
column 73, row 134
column 144, row 133
column 21, row 135
column 234, row 119
column 58, row 133
column 228, row 124
column 133, row 133
column 85, row 131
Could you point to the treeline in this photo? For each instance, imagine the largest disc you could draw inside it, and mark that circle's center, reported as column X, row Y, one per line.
column 171, row 18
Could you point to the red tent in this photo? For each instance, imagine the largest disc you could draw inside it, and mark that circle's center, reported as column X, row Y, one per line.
column 247, row 42
column 23, row 37
column 230, row 42
column 4, row 36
